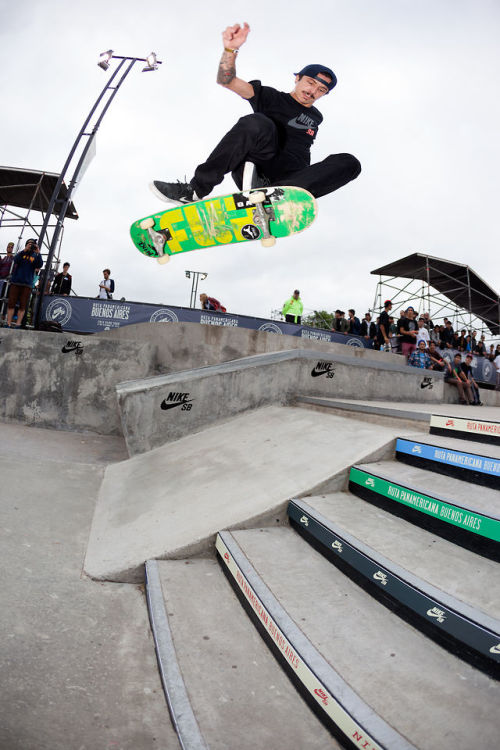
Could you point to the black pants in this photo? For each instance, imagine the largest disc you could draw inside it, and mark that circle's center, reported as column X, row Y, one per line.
column 255, row 138
column 293, row 319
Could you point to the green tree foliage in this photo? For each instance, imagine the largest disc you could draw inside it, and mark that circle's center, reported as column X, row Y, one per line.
column 319, row 319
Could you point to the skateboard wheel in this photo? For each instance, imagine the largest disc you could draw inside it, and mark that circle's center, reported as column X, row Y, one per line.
column 147, row 223
column 162, row 259
column 258, row 197
column 268, row 241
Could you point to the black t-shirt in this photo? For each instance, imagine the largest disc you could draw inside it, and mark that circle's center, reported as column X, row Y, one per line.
column 467, row 370
column 408, row 325
column 383, row 321
column 297, row 128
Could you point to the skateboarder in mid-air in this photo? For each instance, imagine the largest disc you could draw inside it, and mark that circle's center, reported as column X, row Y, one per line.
column 277, row 138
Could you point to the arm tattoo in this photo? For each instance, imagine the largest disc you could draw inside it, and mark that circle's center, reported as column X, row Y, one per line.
column 227, row 68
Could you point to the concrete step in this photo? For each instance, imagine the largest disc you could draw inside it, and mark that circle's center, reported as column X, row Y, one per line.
column 402, row 683
column 458, row 510
column 224, row 688
column 407, row 410
column 172, row 501
column 445, row 591
column 476, row 463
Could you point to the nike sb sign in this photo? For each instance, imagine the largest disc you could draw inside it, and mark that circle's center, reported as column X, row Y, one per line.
column 175, row 399
column 323, row 368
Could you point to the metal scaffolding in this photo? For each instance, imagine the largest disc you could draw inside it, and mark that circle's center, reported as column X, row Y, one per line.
column 25, row 197
column 441, row 287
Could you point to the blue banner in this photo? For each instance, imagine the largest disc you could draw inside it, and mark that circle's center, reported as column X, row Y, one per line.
column 483, row 464
column 91, row 315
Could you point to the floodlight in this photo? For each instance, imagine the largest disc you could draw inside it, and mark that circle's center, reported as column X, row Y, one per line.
column 104, row 59
column 152, row 63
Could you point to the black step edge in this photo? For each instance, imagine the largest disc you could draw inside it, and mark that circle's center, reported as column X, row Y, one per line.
column 340, row 709
column 465, row 630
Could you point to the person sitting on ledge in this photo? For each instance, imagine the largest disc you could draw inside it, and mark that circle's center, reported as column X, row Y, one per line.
column 420, row 358
column 467, row 371
column 458, row 379
column 437, row 362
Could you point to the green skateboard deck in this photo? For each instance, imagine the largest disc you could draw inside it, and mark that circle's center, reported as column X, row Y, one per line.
column 264, row 214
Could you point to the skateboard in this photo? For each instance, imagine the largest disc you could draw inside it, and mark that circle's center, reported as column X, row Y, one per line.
column 264, row 213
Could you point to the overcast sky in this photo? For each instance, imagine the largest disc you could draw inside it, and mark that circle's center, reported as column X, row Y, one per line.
column 417, row 102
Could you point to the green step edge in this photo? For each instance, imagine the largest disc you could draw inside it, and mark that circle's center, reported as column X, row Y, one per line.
column 483, row 525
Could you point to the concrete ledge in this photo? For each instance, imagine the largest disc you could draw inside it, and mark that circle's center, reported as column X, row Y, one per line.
column 67, row 382
column 184, row 346
column 340, row 708
column 432, row 610
column 167, row 407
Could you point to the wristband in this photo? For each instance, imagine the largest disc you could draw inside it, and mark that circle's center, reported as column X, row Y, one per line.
column 228, row 49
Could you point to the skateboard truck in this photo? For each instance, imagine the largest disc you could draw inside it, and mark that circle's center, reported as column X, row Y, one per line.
column 159, row 239
column 262, row 217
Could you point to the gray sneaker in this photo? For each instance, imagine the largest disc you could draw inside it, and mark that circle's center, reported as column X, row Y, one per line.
column 174, row 192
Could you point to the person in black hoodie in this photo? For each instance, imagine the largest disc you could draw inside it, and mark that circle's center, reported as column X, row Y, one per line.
column 62, row 282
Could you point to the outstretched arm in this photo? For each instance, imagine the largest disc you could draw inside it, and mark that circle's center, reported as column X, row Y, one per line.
column 232, row 38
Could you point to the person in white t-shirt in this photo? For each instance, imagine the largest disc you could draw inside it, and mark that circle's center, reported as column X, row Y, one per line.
column 107, row 286
column 423, row 333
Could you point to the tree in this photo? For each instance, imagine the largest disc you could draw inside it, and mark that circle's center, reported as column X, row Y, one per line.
column 319, row 319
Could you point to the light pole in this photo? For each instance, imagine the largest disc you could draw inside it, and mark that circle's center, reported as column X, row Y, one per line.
column 88, row 130
column 194, row 285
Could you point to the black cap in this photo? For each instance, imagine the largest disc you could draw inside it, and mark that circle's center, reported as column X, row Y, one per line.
column 313, row 70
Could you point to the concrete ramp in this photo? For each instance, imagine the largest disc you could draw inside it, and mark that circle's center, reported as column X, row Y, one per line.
column 172, row 501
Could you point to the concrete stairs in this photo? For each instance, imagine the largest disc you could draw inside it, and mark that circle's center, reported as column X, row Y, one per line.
column 381, row 607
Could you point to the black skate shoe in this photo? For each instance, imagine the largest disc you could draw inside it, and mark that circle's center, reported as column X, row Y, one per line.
column 174, row 192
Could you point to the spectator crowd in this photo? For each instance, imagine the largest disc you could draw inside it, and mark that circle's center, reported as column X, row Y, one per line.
column 416, row 337
column 412, row 334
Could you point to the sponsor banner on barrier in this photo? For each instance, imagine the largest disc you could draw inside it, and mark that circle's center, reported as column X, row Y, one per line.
column 353, row 731
column 431, row 506
column 91, row 315
column 484, row 464
column 470, row 426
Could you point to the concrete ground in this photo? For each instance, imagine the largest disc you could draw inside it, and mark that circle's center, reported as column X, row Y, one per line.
column 78, row 663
